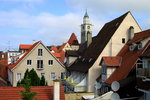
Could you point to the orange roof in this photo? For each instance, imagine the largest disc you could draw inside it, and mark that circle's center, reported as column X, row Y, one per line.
column 62, row 46
column 44, row 93
column 3, row 70
column 11, row 66
column 140, row 36
column 24, row 46
column 112, row 61
column 73, row 40
column 57, row 55
column 129, row 58
column 54, row 48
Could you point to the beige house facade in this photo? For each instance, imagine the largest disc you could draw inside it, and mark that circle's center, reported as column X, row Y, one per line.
column 41, row 60
column 109, row 41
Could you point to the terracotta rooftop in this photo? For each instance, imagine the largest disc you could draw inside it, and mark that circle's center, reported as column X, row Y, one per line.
column 129, row 58
column 44, row 93
column 57, row 55
column 24, row 46
column 73, row 40
column 54, row 49
column 112, row 61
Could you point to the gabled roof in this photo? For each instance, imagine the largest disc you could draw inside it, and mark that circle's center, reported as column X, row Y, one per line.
column 129, row 58
column 98, row 43
column 11, row 66
column 73, row 40
column 24, row 46
column 62, row 46
column 57, row 55
column 112, row 61
column 44, row 93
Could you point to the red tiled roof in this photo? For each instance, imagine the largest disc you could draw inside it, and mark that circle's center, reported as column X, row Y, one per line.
column 62, row 46
column 3, row 69
column 44, row 93
column 54, row 49
column 129, row 59
column 62, row 58
column 112, row 61
column 11, row 66
column 24, row 46
column 140, row 36
column 73, row 40
column 57, row 55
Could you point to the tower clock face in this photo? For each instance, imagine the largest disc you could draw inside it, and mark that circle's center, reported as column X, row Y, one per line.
column 88, row 27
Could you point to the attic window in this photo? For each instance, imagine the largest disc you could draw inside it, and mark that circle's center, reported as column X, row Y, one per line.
column 139, row 46
column 90, row 59
column 131, row 47
column 117, row 24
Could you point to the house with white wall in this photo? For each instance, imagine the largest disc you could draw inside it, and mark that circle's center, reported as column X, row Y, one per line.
column 108, row 42
column 41, row 60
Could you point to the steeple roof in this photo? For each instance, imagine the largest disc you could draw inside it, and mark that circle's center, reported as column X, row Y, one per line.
column 86, row 15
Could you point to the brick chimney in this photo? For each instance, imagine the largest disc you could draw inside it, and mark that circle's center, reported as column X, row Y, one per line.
column 56, row 90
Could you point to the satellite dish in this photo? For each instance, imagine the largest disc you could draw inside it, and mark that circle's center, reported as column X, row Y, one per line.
column 114, row 96
column 115, row 86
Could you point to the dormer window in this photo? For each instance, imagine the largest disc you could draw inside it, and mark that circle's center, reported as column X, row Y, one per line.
column 131, row 47
column 139, row 46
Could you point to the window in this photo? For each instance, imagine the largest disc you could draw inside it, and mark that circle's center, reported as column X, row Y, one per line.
column 29, row 62
column 50, row 62
column 18, row 78
column 139, row 46
column 123, row 40
column 39, row 64
column 42, row 74
column 131, row 47
column 53, row 76
column 62, row 75
column 40, row 51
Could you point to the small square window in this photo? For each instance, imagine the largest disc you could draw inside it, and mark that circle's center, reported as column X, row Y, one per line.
column 29, row 62
column 50, row 62
column 123, row 40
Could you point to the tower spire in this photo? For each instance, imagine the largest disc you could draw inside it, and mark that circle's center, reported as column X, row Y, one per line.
column 86, row 14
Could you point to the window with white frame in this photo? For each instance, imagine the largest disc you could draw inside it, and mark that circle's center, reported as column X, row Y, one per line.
column 53, row 76
column 29, row 62
column 18, row 77
column 39, row 64
column 40, row 52
column 50, row 62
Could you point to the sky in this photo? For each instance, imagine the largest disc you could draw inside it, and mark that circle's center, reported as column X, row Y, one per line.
column 53, row 21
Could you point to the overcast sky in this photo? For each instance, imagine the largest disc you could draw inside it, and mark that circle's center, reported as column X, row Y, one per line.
column 53, row 21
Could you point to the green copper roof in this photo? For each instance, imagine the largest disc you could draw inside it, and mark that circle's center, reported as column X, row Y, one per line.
column 86, row 15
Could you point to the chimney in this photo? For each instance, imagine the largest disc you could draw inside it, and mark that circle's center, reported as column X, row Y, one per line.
column 56, row 90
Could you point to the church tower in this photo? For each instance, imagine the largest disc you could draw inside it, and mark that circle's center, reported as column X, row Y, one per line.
column 86, row 30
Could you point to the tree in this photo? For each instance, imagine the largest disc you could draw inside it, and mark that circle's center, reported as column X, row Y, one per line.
column 35, row 80
column 42, row 81
column 27, row 94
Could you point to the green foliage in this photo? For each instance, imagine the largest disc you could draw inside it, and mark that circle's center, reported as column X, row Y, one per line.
column 35, row 80
column 27, row 94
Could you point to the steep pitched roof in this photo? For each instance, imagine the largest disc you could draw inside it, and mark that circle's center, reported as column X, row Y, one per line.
column 24, row 46
column 57, row 55
column 98, row 43
column 44, row 93
column 129, row 58
column 112, row 61
column 11, row 66
column 73, row 40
